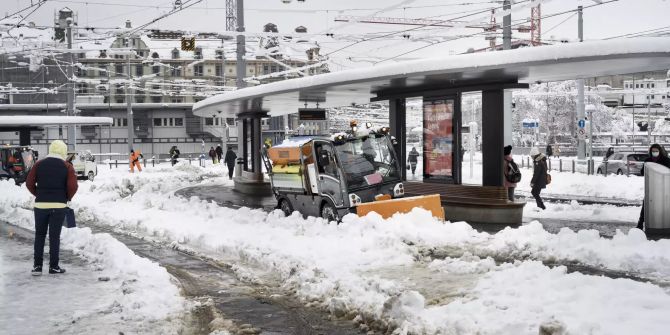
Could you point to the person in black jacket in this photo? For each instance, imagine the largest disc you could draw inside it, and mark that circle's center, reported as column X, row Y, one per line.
column 53, row 182
column 413, row 159
column 212, row 154
column 657, row 154
column 174, row 154
column 219, row 153
column 549, row 150
column 230, row 161
column 539, row 180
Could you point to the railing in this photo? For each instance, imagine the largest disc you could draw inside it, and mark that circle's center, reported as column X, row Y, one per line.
column 577, row 166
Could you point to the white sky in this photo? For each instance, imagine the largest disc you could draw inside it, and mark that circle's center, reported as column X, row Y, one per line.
column 624, row 16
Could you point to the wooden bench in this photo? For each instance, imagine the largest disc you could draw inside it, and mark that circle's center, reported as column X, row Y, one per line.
column 486, row 204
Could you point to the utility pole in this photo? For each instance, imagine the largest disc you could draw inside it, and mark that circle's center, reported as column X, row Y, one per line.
column 507, row 26
column 648, row 119
column 507, row 94
column 129, row 104
column 72, row 128
column 241, row 68
column 581, row 144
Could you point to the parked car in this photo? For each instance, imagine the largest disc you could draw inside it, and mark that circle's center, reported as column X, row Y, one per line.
column 16, row 162
column 84, row 164
column 623, row 163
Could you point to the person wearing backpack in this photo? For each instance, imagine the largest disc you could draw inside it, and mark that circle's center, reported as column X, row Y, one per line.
column 511, row 171
column 540, row 176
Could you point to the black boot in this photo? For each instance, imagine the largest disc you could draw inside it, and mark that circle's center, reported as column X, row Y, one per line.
column 37, row 270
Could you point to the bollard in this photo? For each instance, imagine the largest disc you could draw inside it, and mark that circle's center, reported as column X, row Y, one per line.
column 523, row 163
column 549, row 168
column 145, row 162
column 117, row 163
column 189, row 161
column 153, row 163
column 110, row 165
column 606, row 170
column 628, row 169
column 573, row 166
column 560, row 165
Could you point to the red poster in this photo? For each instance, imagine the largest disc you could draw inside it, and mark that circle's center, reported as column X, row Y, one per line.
column 438, row 138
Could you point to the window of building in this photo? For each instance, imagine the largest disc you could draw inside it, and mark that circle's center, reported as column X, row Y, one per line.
column 217, row 70
column 176, row 71
column 82, row 88
column 120, row 100
column 197, row 70
column 118, row 68
column 653, row 85
column 175, row 53
column 120, row 122
column 273, row 68
column 652, row 97
column 209, row 121
column 139, row 70
column 230, row 121
column 178, row 122
column 154, row 55
column 139, row 99
column 177, row 100
column 198, row 53
column 156, row 69
column 158, row 122
column 156, row 98
column 266, row 69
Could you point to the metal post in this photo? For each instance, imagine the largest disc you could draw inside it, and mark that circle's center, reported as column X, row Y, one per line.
column 549, row 161
column 573, row 166
column 241, row 46
column 129, row 104
column 560, row 165
column 581, row 144
column 71, row 129
column 507, row 26
column 648, row 119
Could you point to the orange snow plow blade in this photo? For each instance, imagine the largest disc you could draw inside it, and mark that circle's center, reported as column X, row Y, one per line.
column 386, row 208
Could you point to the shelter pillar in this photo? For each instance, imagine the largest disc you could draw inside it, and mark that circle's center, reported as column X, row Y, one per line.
column 24, row 137
column 251, row 180
column 398, row 125
column 493, row 136
column 508, row 118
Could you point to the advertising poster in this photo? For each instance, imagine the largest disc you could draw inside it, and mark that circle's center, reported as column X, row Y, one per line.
column 438, row 138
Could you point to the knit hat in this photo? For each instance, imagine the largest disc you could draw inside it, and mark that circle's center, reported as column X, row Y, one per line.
column 534, row 151
column 58, row 148
column 507, row 150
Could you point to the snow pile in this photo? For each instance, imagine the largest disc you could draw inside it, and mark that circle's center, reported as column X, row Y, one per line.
column 381, row 271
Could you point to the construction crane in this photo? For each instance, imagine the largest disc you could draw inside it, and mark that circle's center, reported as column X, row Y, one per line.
column 491, row 28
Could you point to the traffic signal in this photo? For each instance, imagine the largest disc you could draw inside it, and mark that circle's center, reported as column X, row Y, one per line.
column 188, row 44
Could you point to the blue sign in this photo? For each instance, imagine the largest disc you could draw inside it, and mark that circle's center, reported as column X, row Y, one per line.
column 530, row 124
column 581, row 123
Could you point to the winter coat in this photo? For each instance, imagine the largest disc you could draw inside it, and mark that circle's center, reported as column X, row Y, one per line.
column 219, row 151
column 662, row 158
column 539, row 171
column 550, row 150
column 413, row 156
column 506, row 161
column 135, row 157
column 212, row 153
column 230, row 157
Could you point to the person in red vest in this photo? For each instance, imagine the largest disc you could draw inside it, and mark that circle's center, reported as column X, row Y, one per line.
column 135, row 160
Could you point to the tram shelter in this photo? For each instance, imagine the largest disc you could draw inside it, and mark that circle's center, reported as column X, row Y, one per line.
column 440, row 82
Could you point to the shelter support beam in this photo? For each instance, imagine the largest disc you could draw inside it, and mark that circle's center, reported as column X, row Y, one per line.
column 24, row 137
column 251, row 180
column 507, row 119
column 493, row 102
column 398, row 124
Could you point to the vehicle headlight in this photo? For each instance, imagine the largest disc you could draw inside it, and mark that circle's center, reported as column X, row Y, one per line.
column 354, row 200
column 398, row 190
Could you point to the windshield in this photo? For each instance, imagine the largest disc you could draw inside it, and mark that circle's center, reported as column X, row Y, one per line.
column 368, row 161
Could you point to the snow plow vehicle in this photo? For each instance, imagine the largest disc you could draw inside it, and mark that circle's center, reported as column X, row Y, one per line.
column 16, row 162
column 329, row 177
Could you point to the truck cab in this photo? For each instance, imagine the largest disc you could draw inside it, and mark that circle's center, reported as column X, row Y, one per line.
column 84, row 164
column 16, row 162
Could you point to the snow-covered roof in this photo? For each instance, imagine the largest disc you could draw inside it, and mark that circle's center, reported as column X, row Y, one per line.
column 40, row 120
column 526, row 65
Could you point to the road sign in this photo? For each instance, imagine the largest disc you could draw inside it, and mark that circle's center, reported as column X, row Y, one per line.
column 581, row 133
column 581, row 123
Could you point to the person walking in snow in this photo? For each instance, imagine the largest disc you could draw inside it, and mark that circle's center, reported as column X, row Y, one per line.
column 212, row 154
column 539, row 180
column 549, row 150
column 511, row 172
column 658, row 155
column 413, row 159
column 219, row 153
column 53, row 182
column 230, row 161
column 134, row 160
column 174, row 154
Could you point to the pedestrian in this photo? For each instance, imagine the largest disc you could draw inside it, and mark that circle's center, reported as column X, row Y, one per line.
column 134, row 160
column 549, row 150
column 511, row 172
column 53, row 182
column 610, row 152
column 174, row 154
column 212, row 154
column 539, row 180
column 413, row 159
column 557, row 151
column 230, row 161
column 657, row 154
column 219, row 153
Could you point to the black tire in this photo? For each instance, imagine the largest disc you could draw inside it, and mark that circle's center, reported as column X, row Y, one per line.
column 600, row 171
column 619, row 172
column 329, row 212
column 91, row 176
column 285, row 206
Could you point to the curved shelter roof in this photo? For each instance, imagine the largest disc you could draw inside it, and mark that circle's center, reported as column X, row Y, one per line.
column 40, row 120
column 460, row 72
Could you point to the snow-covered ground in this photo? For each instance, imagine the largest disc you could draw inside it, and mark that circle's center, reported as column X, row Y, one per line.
column 107, row 287
column 410, row 272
